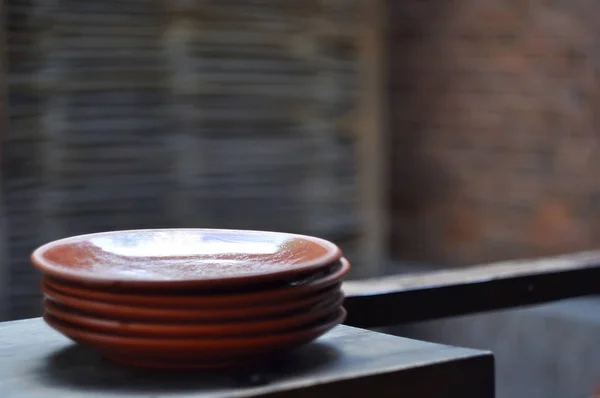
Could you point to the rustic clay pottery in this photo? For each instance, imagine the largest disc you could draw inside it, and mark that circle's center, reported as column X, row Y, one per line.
column 198, row 329
column 130, row 313
column 192, row 298
column 313, row 283
column 197, row 353
column 182, row 258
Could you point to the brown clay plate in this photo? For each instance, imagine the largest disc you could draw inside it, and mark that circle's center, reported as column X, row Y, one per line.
column 216, row 300
column 133, row 313
column 197, row 353
column 182, row 258
column 204, row 329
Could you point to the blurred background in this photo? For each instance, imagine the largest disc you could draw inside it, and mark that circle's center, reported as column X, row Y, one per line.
column 145, row 114
column 416, row 134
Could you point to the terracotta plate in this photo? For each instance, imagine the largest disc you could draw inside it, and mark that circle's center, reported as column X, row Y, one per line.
column 217, row 300
column 183, row 258
column 195, row 353
column 132, row 313
column 203, row 329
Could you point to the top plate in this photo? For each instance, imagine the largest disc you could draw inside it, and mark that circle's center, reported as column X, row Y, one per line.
column 170, row 258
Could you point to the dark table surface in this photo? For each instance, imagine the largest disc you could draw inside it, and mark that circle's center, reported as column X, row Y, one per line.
column 36, row 361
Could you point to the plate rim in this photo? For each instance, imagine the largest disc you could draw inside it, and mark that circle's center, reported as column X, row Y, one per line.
column 194, row 330
column 208, row 344
column 217, row 299
column 334, row 253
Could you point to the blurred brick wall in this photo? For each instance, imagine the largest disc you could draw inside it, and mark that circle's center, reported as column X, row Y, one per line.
column 495, row 137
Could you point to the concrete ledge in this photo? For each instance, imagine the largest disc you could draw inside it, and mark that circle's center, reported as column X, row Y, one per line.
column 547, row 351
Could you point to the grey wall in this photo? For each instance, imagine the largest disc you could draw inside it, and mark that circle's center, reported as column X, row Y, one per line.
column 158, row 113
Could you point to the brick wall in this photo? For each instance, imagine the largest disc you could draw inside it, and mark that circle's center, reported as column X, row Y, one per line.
column 495, row 138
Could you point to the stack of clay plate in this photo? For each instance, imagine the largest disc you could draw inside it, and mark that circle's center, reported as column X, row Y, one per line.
column 192, row 298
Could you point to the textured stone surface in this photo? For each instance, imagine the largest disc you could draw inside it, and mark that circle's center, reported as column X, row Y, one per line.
column 493, row 113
